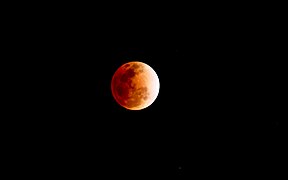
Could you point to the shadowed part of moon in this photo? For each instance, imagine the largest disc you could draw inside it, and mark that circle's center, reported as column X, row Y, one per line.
column 127, row 75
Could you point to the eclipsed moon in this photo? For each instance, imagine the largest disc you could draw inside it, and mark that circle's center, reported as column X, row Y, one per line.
column 135, row 85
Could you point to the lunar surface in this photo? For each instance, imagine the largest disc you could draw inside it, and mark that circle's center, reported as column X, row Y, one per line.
column 135, row 85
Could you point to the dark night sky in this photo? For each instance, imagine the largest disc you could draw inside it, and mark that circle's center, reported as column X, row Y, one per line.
column 216, row 113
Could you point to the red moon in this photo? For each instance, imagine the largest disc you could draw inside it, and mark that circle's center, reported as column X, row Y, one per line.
column 135, row 85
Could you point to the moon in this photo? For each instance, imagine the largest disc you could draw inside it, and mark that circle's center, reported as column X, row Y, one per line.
column 135, row 85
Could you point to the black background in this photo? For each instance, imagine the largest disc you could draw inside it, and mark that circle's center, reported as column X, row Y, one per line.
column 218, row 112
